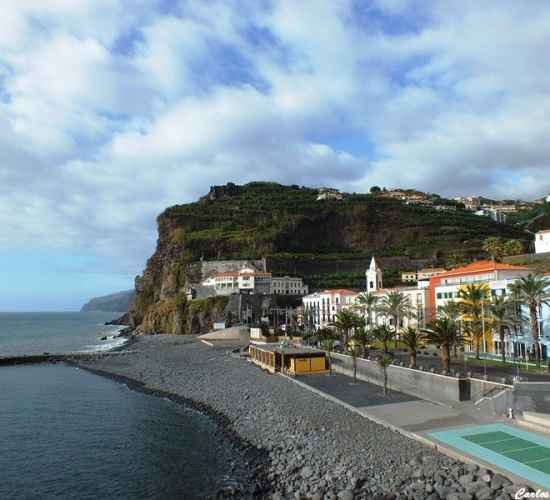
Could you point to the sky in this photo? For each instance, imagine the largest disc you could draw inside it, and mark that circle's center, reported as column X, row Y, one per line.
column 112, row 110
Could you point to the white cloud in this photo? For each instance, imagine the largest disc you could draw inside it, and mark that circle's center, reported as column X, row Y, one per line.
column 95, row 140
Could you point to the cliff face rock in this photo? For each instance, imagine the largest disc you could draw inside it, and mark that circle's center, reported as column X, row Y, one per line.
column 288, row 226
column 115, row 302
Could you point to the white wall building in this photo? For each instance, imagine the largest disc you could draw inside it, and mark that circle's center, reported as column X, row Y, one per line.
column 542, row 241
column 322, row 307
column 288, row 285
column 373, row 277
column 248, row 280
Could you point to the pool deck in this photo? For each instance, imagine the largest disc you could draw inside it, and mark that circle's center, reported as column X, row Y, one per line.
column 437, row 424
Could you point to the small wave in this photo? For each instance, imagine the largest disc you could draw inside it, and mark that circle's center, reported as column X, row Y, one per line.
column 106, row 345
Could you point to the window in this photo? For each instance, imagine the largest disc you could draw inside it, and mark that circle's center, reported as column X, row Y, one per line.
column 439, row 296
column 371, row 284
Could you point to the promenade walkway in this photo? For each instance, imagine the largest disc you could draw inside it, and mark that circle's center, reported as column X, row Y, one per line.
column 397, row 408
column 442, row 425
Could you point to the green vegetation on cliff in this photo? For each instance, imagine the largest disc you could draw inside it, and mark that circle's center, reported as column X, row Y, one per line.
column 262, row 219
column 326, row 241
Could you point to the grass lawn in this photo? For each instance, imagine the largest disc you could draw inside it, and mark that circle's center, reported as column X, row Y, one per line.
column 509, row 364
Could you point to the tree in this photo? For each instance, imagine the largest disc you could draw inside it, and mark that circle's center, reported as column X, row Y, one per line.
column 499, row 312
column 375, row 189
column 384, row 335
column 345, row 321
column 366, row 304
column 451, row 310
column 533, row 291
column 384, row 361
column 327, row 338
column 494, row 247
column 413, row 339
column 362, row 337
column 395, row 306
column 513, row 247
column 444, row 334
column 359, row 338
column 472, row 300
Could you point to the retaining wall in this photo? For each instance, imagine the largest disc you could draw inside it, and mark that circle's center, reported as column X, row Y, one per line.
column 480, row 388
column 532, row 396
column 418, row 383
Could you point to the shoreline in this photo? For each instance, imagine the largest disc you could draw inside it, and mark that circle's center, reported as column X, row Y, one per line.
column 253, row 457
column 308, row 447
column 289, row 442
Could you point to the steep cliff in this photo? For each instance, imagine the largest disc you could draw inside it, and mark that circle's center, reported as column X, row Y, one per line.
column 115, row 302
column 288, row 226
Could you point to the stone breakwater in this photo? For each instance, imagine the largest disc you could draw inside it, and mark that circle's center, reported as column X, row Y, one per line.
column 298, row 444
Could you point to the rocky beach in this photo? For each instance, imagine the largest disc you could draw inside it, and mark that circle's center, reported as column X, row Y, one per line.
column 297, row 444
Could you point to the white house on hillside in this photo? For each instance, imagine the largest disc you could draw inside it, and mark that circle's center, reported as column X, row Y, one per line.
column 542, row 241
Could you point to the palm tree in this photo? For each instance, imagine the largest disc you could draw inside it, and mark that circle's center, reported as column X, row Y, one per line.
column 366, row 304
column 413, row 339
column 362, row 337
column 494, row 247
column 499, row 312
column 327, row 338
column 533, row 291
column 396, row 306
column 346, row 320
column 451, row 310
column 444, row 334
column 353, row 349
column 384, row 361
column 384, row 335
column 513, row 247
column 472, row 300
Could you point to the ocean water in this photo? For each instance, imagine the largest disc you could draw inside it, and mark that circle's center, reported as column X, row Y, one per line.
column 35, row 333
column 67, row 433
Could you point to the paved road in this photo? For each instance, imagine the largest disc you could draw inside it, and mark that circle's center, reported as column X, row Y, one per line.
column 359, row 394
column 397, row 408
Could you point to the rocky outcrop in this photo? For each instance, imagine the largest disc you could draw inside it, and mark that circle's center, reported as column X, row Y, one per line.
column 115, row 302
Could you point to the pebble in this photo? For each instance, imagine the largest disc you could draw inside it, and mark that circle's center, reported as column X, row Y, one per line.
column 299, row 445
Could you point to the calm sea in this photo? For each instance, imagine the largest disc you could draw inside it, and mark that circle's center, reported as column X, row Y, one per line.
column 35, row 333
column 66, row 433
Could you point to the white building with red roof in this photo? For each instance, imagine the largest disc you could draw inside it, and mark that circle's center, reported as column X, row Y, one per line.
column 249, row 280
column 322, row 307
column 498, row 277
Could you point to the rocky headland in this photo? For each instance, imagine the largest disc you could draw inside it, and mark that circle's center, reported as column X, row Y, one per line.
column 298, row 444
column 328, row 243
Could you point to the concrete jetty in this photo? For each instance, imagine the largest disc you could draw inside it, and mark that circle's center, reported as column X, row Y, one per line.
column 59, row 357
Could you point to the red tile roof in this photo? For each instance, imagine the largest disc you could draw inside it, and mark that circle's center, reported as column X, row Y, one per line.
column 340, row 291
column 481, row 266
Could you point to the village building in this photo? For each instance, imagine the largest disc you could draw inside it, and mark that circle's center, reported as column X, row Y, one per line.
column 290, row 360
column 321, row 308
column 288, row 285
column 426, row 273
column 373, row 276
column 542, row 241
column 498, row 277
column 252, row 281
column 325, row 193
column 408, row 277
column 415, row 296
